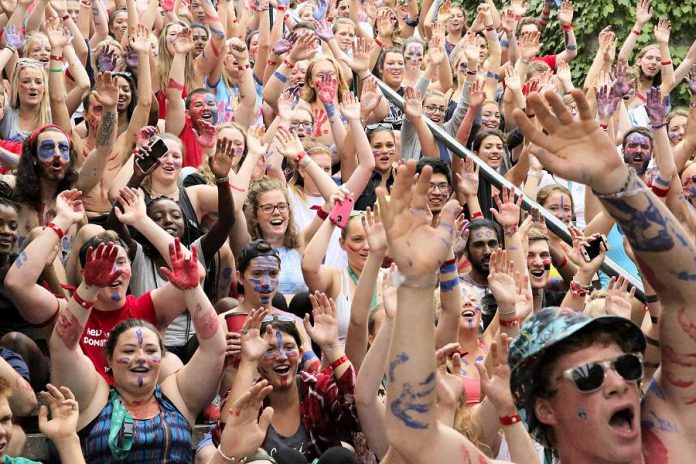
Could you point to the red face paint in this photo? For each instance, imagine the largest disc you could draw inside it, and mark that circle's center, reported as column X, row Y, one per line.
column 681, row 359
column 206, row 322
column 547, row 264
column 123, row 360
column 68, row 329
column 155, row 359
column 679, row 383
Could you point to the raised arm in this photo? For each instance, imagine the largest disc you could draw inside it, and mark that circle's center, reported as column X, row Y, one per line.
column 23, row 400
column 350, row 108
column 643, row 15
column 246, row 111
column 205, row 62
column 413, row 109
column 316, row 275
column 565, row 17
column 58, row 38
column 176, row 112
column 683, row 150
column 663, row 30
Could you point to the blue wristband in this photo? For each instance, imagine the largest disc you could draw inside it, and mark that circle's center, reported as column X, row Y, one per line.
column 447, row 268
column 330, row 109
column 571, row 48
column 280, row 77
column 504, row 43
column 492, row 75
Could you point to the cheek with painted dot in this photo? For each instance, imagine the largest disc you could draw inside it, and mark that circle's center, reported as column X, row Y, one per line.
column 155, row 359
column 123, row 360
column 581, row 412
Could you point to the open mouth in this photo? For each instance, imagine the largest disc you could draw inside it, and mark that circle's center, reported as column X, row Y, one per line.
column 276, row 222
column 44, row 59
column 140, row 370
column 173, row 231
column 6, row 242
column 121, row 99
column 490, row 124
column 207, row 115
column 116, row 283
column 282, row 370
column 32, row 94
column 468, row 313
column 537, row 273
column 622, row 420
column 168, row 168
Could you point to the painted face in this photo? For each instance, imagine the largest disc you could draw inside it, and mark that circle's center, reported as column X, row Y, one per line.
column 116, row 291
column 273, row 214
column 413, row 56
column 261, row 279
column 456, row 20
column 344, row 9
column 136, row 360
column 384, row 149
column 301, row 123
column 471, row 308
column 638, row 152
column 124, row 93
column 492, row 151
column 650, row 63
column 279, row 365
column 53, row 154
column 237, row 138
column 5, row 425
column 393, row 69
column 200, row 39
column 298, row 73
column 31, row 86
column 40, row 50
column 689, row 184
column 170, row 164
column 558, row 203
column 119, row 25
column 490, row 116
column 482, row 242
column 355, row 243
column 254, row 46
column 307, row 12
column 167, row 214
column 322, row 70
column 538, row 263
column 203, row 107
column 435, row 107
column 345, row 35
column 438, row 192
column 173, row 30
column 604, row 425
column 677, row 129
column 8, row 229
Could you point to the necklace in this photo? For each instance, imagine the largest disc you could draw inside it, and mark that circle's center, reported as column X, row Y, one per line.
column 170, row 194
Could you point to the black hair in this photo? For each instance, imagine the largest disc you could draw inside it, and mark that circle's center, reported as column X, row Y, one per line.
column 251, row 251
column 639, row 130
column 439, row 167
column 124, row 326
column 188, row 237
column 485, row 223
column 112, row 16
column 199, row 91
column 200, row 26
column 284, row 326
column 7, row 196
column 133, row 89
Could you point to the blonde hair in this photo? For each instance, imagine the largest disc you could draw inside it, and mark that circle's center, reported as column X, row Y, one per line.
column 309, row 94
column 34, row 36
column 147, row 183
column 342, row 22
column 165, row 61
column 42, row 118
column 291, row 239
column 108, row 41
column 396, row 38
column 204, row 170
column 597, row 304
column 547, row 190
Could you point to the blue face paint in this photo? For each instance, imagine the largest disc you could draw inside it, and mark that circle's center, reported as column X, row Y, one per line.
column 139, row 334
column 264, row 280
column 115, row 296
column 212, row 105
column 227, row 272
column 47, row 149
column 581, row 412
column 140, row 381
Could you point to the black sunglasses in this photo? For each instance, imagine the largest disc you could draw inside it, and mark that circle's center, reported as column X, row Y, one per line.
column 590, row 377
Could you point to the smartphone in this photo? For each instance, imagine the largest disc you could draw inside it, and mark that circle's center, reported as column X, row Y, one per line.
column 235, row 321
column 591, row 251
column 157, row 150
column 340, row 213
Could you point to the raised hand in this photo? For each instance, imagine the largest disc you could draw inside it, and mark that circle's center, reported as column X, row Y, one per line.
column 284, row 44
column 644, row 12
column 413, row 106
column 501, row 279
column 14, row 37
column 418, row 248
column 133, row 209
column 529, row 45
column 350, row 107
column 461, row 226
column 145, row 135
column 607, row 44
column 389, row 294
column 140, row 40
column 245, row 430
column 565, row 13
column 107, row 60
column 107, row 91
column 130, row 57
column 324, row 332
column 468, row 178
column 303, row 48
column 607, row 102
column 183, row 43
column 509, row 21
column 286, row 105
column 64, row 414
column 221, row 162
column 288, row 143
column 508, row 212
column 184, row 272
column 361, row 56
column 563, row 72
column 496, row 384
column 58, row 36
column 385, row 25
column 662, row 31
column 254, row 142
column 374, row 229
column 524, row 300
column 238, row 49
column 619, row 299
column 370, row 97
column 657, row 106
column 99, row 268
column 254, row 345
column 326, row 89
column 69, row 206
column 320, row 13
column 449, row 386
column 622, row 85
column 206, row 135
column 518, row 7
column 323, row 30
column 471, row 48
column 436, row 49
column 692, row 80
column 575, row 149
column 476, row 94
column 512, row 79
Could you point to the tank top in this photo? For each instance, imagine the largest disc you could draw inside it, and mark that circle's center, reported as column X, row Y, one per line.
column 165, row 437
column 298, row 441
column 343, row 303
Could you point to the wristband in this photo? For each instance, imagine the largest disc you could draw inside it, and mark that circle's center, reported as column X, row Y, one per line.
column 85, row 304
column 281, row 8
column 272, row 63
column 490, row 28
column 635, row 31
column 518, row 17
column 567, row 27
column 412, row 22
column 604, row 126
column 578, row 290
column 492, row 75
column 477, row 215
column 56, row 70
column 658, row 126
column 299, row 156
column 280, row 77
column 330, row 110
column 510, row 230
column 448, row 263
column 236, row 189
column 222, row 180
column 651, row 299
column 379, row 44
column 335, row 364
column 504, row 43
column 174, row 85
column 56, row 229
column 242, row 68
column 322, row 214
column 230, row 458
column 666, row 63
column 56, row 57
column 654, row 319
column 288, row 63
column 659, row 191
column 659, row 181
column 510, row 420
column 571, row 48
column 511, row 323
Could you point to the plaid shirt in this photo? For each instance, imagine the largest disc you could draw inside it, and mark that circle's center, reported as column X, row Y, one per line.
column 327, row 410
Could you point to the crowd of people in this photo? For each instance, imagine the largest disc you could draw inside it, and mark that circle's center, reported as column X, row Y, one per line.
column 210, row 214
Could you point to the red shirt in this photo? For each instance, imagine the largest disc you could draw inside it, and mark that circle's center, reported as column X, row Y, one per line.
column 14, row 147
column 193, row 152
column 100, row 323
column 548, row 59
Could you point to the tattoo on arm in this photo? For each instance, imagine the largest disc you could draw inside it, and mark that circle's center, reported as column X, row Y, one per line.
column 105, row 135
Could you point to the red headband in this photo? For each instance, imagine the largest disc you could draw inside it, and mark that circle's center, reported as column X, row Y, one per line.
column 38, row 131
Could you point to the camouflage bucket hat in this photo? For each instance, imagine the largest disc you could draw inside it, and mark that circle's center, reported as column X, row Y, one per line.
column 547, row 329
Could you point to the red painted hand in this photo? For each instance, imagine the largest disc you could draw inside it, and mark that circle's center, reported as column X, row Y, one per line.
column 184, row 273
column 99, row 268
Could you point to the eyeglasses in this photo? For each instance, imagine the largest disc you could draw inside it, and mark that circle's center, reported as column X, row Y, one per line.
column 590, row 377
column 277, row 318
column 306, row 125
column 269, row 208
column 435, row 109
column 442, row 187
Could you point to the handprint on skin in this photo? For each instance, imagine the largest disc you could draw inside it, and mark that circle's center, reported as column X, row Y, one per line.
column 320, row 119
column 410, row 397
column 14, row 37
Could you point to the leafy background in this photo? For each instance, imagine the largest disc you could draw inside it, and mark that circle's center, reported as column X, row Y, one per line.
column 591, row 16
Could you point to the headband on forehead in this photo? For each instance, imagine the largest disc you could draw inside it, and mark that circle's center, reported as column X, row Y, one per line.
column 35, row 134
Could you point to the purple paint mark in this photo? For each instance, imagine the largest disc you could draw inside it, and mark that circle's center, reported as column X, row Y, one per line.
column 227, row 272
column 115, row 296
column 562, row 201
column 140, row 381
column 139, row 334
column 581, row 412
column 279, row 339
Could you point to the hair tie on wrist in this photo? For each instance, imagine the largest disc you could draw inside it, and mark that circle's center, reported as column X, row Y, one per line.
column 288, row 63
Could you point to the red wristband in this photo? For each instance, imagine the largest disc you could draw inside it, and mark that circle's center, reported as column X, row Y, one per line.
column 288, row 64
column 85, row 304
column 242, row 68
column 635, row 31
column 56, row 229
column 449, row 262
column 335, row 364
column 660, row 192
column 322, row 214
column 510, row 420
column 299, row 157
column 511, row 323
column 666, row 63
column 272, row 63
column 477, row 215
column 66, row 17
column 281, row 8
column 55, row 57
column 567, row 27
column 379, row 44
column 604, row 126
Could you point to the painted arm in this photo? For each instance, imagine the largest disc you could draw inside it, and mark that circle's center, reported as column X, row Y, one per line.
column 565, row 18
column 447, row 329
column 23, row 399
column 176, row 112
column 56, row 83
column 205, row 62
column 246, row 110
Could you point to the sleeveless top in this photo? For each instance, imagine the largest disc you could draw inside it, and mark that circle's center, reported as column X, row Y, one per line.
column 290, row 280
column 165, row 437
column 343, row 304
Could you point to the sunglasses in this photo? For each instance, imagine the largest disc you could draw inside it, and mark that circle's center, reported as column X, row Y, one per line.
column 590, row 377
column 277, row 317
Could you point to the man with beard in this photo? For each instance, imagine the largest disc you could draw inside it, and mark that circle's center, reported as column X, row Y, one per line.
column 638, row 149
column 440, row 184
column 49, row 160
column 484, row 238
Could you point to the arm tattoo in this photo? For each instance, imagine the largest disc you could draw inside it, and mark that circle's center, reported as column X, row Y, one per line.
column 105, row 135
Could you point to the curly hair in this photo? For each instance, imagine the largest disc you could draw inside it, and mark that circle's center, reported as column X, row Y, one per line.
column 292, row 239
column 28, row 186
column 204, row 170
